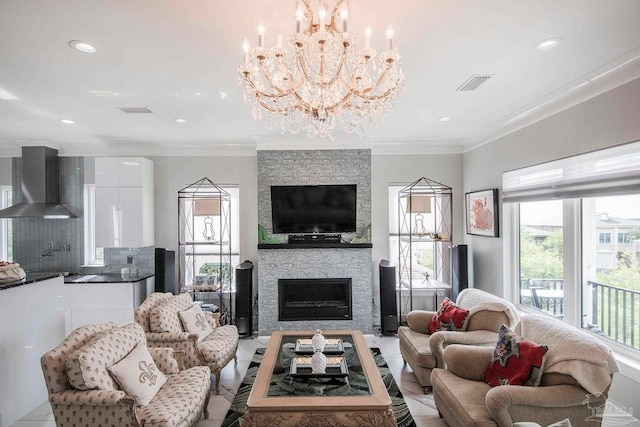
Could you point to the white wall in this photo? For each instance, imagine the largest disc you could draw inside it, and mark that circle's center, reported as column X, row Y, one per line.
column 394, row 169
column 172, row 174
column 5, row 170
column 609, row 119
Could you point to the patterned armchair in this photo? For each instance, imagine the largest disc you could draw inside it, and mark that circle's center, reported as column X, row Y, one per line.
column 82, row 391
column 158, row 316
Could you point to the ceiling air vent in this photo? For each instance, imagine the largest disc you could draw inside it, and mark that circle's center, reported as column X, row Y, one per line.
column 473, row 82
column 135, row 110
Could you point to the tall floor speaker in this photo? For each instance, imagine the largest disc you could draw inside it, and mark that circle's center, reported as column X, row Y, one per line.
column 459, row 269
column 388, row 304
column 165, row 273
column 244, row 299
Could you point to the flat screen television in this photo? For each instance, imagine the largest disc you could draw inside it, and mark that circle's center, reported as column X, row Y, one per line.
column 313, row 208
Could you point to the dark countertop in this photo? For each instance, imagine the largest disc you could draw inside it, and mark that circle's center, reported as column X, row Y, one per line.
column 104, row 278
column 31, row 278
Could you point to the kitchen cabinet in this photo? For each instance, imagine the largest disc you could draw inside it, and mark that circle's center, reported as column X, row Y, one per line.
column 103, row 301
column 124, row 202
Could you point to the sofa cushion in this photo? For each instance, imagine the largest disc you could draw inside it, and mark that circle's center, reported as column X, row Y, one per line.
column 194, row 322
column 164, row 317
column 143, row 312
column 138, row 375
column 87, row 366
column 449, row 317
column 180, row 401
column 464, row 398
column 220, row 345
column 515, row 361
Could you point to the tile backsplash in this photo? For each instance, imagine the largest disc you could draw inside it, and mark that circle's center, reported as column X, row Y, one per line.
column 116, row 258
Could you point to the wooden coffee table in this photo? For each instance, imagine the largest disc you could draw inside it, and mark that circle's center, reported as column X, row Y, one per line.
column 278, row 399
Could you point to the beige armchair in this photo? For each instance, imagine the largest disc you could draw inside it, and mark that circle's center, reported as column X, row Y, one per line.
column 158, row 316
column 83, row 393
column 576, row 376
column 423, row 352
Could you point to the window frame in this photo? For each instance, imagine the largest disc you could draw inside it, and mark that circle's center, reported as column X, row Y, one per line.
column 90, row 258
column 6, row 195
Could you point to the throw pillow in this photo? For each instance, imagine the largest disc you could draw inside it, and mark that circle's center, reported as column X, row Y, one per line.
column 138, row 375
column 515, row 361
column 194, row 322
column 449, row 317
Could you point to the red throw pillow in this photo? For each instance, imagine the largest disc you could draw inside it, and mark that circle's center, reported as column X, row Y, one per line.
column 449, row 317
column 515, row 361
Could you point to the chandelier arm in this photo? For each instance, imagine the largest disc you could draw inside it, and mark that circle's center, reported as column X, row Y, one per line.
column 309, row 13
column 264, row 94
column 271, row 83
column 363, row 93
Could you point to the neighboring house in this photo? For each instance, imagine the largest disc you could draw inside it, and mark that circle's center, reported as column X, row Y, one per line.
column 613, row 236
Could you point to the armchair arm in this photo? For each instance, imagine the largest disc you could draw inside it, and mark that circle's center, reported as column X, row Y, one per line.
column 87, row 397
column 212, row 318
column 467, row 361
column 500, row 399
column 165, row 359
column 442, row 339
column 418, row 320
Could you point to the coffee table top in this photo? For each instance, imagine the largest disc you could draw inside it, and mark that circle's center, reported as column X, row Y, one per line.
column 275, row 388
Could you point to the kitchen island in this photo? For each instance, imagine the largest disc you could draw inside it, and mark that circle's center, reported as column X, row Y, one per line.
column 104, row 298
column 32, row 319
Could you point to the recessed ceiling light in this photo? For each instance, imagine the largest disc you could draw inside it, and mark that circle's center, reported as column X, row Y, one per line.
column 67, row 121
column 83, row 47
column 547, row 44
column 223, row 95
column 181, row 121
column 445, row 119
column 197, row 93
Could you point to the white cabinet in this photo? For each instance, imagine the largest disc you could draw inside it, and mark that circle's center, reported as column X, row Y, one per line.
column 124, row 202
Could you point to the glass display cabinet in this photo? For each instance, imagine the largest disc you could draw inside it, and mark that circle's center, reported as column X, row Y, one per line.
column 204, row 246
column 425, row 224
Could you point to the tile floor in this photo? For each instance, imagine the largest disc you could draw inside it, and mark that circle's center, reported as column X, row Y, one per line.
column 421, row 406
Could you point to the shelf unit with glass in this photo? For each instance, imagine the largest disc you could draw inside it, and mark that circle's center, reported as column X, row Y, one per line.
column 425, row 224
column 204, row 246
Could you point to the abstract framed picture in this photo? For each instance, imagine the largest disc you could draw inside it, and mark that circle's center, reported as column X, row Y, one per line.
column 482, row 212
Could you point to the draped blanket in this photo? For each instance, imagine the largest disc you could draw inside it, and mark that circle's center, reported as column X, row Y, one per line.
column 571, row 352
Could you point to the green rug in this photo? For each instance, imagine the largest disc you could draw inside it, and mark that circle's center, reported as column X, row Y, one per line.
column 239, row 404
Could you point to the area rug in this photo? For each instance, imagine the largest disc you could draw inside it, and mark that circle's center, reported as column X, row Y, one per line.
column 239, row 404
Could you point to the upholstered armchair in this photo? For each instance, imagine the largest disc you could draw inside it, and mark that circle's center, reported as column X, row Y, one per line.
column 159, row 316
column 572, row 381
column 423, row 351
column 83, row 392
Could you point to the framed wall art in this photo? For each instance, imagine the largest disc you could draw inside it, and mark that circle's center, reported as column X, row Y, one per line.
column 482, row 212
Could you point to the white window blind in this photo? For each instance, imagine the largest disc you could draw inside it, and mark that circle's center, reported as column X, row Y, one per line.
column 610, row 171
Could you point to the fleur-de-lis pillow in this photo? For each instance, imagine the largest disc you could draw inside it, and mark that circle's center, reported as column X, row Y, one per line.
column 194, row 322
column 138, row 375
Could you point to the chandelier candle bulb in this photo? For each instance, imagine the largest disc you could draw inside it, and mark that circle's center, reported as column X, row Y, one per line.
column 261, row 35
column 245, row 48
column 299, row 15
column 367, row 38
column 344, row 14
column 279, row 40
column 322, row 14
column 389, row 38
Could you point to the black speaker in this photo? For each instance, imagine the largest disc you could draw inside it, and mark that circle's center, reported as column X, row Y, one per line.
column 244, row 299
column 165, row 273
column 459, row 269
column 388, row 305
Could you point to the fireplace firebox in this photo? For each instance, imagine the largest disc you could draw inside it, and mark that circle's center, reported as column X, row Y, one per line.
column 314, row 299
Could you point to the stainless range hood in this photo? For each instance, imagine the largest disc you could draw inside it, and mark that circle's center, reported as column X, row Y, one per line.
column 40, row 198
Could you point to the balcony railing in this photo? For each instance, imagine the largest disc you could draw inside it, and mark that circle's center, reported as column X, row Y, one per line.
column 615, row 312
column 612, row 312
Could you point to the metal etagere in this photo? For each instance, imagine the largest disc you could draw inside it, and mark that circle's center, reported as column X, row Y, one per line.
column 204, row 243
column 425, row 224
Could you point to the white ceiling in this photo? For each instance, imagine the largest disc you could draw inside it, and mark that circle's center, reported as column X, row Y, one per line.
column 159, row 53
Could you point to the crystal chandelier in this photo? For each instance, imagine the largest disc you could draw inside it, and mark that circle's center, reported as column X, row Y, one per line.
column 323, row 77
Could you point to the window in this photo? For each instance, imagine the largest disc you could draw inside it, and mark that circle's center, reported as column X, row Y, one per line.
column 604, row 238
column 93, row 256
column 576, row 252
column 6, row 240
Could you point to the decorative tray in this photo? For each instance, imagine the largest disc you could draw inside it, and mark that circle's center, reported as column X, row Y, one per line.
column 332, row 346
column 336, row 367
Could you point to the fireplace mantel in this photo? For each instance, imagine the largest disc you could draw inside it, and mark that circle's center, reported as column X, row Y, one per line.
column 315, row 246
